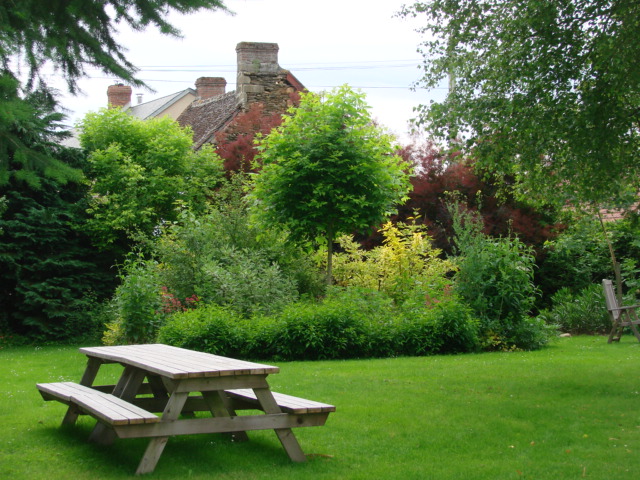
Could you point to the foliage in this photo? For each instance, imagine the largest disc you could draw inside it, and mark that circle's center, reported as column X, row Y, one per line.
column 75, row 33
column 236, row 143
column 141, row 171
column 438, row 172
column 545, row 90
column 578, row 312
column 328, row 170
column 577, row 258
column 29, row 134
column 217, row 259
column 211, row 329
column 495, row 278
column 405, row 263
column 580, row 255
column 446, row 326
column 51, row 277
column 348, row 323
column 138, row 302
column 225, row 259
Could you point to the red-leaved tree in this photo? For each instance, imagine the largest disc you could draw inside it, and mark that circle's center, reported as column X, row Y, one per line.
column 235, row 144
column 438, row 173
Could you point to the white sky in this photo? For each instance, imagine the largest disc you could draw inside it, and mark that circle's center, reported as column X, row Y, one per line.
column 324, row 44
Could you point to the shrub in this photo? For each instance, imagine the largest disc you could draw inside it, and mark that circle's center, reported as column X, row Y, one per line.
column 577, row 258
column 223, row 259
column 495, row 279
column 211, row 329
column 446, row 326
column 138, row 302
column 404, row 264
column 349, row 323
column 245, row 282
column 317, row 331
column 584, row 312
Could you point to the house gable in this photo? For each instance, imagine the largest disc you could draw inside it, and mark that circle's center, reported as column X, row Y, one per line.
column 260, row 80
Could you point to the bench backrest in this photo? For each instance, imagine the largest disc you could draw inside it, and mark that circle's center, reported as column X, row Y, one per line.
column 610, row 298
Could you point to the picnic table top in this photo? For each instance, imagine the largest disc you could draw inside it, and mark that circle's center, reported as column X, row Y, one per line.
column 175, row 362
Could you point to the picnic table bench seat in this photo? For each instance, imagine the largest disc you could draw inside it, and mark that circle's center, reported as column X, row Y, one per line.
column 102, row 406
column 287, row 403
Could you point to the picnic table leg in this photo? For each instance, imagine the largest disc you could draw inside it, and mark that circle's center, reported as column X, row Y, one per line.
column 219, row 406
column 156, row 445
column 285, row 435
column 89, row 375
column 126, row 388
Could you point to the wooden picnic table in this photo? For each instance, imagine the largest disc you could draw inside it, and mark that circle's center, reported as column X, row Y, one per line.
column 176, row 383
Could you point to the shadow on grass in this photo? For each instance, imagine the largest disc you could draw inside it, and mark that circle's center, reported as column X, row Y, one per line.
column 197, row 455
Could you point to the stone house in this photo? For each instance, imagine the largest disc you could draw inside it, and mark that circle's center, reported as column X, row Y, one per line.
column 210, row 109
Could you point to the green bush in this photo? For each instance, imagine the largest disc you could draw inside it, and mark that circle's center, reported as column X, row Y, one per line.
column 495, row 279
column 447, row 326
column 316, row 331
column 210, row 328
column 223, row 259
column 577, row 258
column 245, row 282
column 349, row 323
column 138, row 303
column 584, row 312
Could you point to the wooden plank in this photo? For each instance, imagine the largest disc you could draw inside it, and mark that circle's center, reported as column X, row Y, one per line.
column 103, row 406
column 219, row 383
column 287, row 403
column 175, row 362
column 242, row 423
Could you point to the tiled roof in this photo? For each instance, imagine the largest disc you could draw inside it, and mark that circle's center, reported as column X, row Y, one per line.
column 206, row 117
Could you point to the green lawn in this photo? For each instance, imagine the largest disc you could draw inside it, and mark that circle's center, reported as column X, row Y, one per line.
column 570, row 411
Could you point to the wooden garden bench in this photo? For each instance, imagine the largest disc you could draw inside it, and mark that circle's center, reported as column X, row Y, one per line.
column 621, row 316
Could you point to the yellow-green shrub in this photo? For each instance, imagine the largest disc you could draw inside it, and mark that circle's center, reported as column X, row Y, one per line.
column 406, row 262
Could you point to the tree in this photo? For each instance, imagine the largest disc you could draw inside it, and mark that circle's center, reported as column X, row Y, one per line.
column 328, row 170
column 29, row 136
column 545, row 90
column 236, row 143
column 142, row 172
column 68, row 35
column 74, row 33
column 440, row 172
column 49, row 272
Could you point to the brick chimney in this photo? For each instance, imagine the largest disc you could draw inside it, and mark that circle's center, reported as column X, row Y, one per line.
column 208, row 87
column 118, row 95
column 257, row 68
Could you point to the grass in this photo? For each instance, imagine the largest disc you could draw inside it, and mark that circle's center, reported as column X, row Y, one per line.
column 569, row 411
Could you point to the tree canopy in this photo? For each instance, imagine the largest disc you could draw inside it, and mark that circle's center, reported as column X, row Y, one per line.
column 328, row 169
column 73, row 34
column 545, row 90
column 142, row 172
